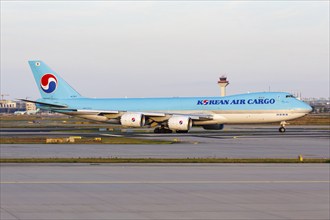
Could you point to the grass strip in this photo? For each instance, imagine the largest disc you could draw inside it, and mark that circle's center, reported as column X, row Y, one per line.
column 162, row 160
column 83, row 140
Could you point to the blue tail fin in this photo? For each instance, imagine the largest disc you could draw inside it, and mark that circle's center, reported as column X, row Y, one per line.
column 50, row 84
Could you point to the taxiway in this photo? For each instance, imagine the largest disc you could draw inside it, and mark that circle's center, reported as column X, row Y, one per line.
column 234, row 142
column 165, row 191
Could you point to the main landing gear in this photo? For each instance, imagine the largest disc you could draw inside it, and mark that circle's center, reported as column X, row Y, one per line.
column 162, row 130
column 282, row 128
column 182, row 131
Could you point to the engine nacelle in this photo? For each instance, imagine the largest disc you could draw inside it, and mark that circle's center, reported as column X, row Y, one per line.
column 213, row 127
column 133, row 120
column 180, row 123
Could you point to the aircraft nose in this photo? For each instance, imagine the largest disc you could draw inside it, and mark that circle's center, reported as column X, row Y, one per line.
column 307, row 108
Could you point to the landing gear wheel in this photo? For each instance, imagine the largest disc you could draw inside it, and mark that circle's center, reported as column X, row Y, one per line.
column 162, row 130
column 167, row 131
column 281, row 129
column 183, row 131
column 157, row 130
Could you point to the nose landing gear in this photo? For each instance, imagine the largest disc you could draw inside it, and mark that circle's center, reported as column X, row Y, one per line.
column 282, row 127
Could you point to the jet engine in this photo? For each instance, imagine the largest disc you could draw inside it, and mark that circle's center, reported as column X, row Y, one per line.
column 179, row 123
column 136, row 120
column 213, row 127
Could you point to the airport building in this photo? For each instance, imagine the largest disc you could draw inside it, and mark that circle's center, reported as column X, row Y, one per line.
column 29, row 106
column 10, row 107
column 7, row 104
column 319, row 105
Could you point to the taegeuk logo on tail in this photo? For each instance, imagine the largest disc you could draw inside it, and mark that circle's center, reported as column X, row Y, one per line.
column 48, row 83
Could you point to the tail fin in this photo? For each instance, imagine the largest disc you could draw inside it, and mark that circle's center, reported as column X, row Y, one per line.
column 50, row 84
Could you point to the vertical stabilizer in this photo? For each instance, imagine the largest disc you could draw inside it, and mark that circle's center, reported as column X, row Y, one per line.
column 50, row 84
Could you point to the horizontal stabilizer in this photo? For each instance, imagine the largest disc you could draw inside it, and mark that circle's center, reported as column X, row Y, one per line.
column 44, row 103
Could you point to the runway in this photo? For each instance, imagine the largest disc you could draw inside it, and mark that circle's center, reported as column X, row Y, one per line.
column 170, row 191
column 235, row 142
column 165, row 191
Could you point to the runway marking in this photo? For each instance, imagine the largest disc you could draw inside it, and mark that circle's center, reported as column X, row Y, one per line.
column 171, row 182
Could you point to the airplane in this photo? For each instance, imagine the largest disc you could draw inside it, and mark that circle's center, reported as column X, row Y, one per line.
column 28, row 112
column 32, row 112
column 19, row 112
column 166, row 115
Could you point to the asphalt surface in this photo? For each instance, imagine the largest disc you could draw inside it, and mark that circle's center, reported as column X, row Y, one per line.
column 165, row 191
column 170, row 191
column 234, row 142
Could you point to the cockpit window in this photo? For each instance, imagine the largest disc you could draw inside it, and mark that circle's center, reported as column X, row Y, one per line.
column 289, row 96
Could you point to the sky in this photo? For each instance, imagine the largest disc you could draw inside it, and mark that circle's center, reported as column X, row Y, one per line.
column 167, row 48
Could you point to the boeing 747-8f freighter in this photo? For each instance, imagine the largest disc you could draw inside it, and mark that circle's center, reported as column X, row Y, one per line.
column 166, row 114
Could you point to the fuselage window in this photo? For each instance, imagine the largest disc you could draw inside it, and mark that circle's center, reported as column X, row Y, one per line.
column 289, row 96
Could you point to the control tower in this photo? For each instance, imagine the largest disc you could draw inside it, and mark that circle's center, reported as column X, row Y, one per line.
column 223, row 83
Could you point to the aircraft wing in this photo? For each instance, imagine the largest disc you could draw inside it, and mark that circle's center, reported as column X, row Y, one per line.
column 149, row 114
column 115, row 114
column 158, row 116
column 196, row 117
column 104, row 112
